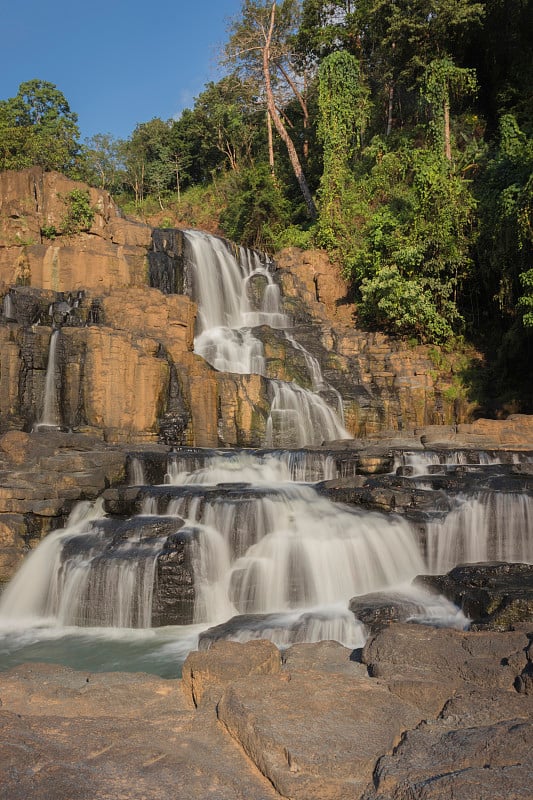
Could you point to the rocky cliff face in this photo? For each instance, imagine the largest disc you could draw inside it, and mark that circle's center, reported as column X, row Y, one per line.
column 125, row 367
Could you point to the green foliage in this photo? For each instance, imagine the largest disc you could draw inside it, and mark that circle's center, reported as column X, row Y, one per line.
column 505, row 248
column 101, row 163
column 343, row 114
column 293, row 236
column 443, row 81
column 37, row 127
column 79, row 215
column 402, row 306
column 525, row 302
column 49, row 232
column 256, row 211
column 410, row 218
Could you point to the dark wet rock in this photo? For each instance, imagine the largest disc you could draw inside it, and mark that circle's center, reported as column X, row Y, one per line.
column 169, row 269
column 153, row 463
column 242, row 628
column 282, row 628
column 496, row 596
column 174, row 590
column 378, row 494
column 381, row 608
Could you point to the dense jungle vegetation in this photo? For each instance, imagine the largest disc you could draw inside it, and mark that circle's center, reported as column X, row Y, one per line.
column 397, row 134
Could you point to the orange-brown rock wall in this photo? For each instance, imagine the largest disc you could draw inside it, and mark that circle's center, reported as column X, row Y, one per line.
column 36, row 251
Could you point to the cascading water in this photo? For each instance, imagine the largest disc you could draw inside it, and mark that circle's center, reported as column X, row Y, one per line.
column 253, row 538
column 261, row 547
column 8, row 309
column 488, row 526
column 235, row 293
column 50, row 416
column 421, row 462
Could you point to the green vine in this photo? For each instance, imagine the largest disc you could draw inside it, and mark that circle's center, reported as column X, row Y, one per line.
column 444, row 81
column 343, row 115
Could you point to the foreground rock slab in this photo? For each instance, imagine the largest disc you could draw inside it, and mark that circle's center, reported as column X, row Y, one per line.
column 315, row 739
column 450, row 716
column 71, row 735
column 438, row 762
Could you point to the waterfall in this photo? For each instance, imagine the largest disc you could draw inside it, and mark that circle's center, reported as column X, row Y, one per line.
column 278, row 466
column 137, row 476
column 50, row 416
column 281, row 549
column 235, row 293
column 86, row 574
column 26, row 597
column 488, row 526
column 420, row 462
column 8, row 308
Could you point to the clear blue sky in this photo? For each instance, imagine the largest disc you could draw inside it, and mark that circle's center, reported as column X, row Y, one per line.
column 117, row 63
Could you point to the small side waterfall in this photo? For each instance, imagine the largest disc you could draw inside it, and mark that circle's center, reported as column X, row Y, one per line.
column 235, row 293
column 422, row 462
column 8, row 308
column 50, row 415
column 489, row 526
column 26, row 597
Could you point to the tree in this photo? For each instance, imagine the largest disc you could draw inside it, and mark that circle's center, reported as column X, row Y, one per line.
column 148, row 161
column 223, row 112
column 38, row 128
column 343, row 113
column 443, row 80
column 258, row 42
column 101, row 164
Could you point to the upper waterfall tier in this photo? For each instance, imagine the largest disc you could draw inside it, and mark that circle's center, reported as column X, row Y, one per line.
column 235, row 293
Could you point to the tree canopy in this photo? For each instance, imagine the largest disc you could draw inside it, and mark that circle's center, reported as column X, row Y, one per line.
column 38, row 127
column 398, row 135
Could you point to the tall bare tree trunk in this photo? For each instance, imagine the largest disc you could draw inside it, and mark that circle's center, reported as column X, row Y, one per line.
column 270, row 147
column 278, row 123
column 303, row 106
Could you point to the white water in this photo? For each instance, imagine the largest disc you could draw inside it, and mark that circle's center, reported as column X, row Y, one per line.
column 137, row 476
column 420, row 461
column 279, row 550
column 98, row 583
column 8, row 308
column 290, row 554
column 276, row 467
column 489, row 526
column 26, row 598
column 50, row 417
column 235, row 293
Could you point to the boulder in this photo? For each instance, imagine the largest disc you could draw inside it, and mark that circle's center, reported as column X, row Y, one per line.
column 496, row 596
column 79, row 735
column 381, row 608
column 324, row 657
column 206, row 675
column 315, row 738
column 436, row 762
column 451, row 657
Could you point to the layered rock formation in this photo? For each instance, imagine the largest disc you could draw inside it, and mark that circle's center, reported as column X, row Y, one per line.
column 139, row 340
